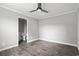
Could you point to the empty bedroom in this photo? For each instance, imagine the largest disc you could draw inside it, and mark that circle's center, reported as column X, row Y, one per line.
column 39, row 29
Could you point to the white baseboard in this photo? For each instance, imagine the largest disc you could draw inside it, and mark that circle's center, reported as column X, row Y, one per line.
column 32, row 40
column 8, row 47
column 60, row 42
column 40, row 39
column 54, row 42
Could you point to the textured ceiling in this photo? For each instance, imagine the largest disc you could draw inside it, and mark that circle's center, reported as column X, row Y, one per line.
column 52, row 8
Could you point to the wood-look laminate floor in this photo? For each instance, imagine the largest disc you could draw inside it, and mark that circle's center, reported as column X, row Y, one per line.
column 41, row 48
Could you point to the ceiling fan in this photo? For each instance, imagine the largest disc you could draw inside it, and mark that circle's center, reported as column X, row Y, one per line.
column 39, row 8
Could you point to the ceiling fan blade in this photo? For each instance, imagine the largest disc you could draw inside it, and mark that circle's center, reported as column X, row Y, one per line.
column 44, row 10
column 34, row 10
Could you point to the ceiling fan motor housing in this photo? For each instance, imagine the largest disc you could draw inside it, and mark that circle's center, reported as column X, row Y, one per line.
column 39, row 7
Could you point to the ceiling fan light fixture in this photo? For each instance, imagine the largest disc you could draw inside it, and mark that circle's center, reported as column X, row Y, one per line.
column 39, row 8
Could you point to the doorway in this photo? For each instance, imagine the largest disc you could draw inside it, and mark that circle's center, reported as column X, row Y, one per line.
column 22, row 30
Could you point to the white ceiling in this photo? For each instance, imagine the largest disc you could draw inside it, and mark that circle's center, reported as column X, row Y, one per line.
column 52, row 8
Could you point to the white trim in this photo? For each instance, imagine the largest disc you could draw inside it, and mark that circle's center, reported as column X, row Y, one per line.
column 8, row 47
column 43, row 18
column 18, row 12
column 63, row 13
column 59, row 42
column 75, row 10
column 32, row 40
column 11, row 9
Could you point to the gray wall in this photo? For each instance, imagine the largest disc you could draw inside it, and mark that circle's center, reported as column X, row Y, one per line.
column 33, row 30
column 9, row 28
column 61, row 29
